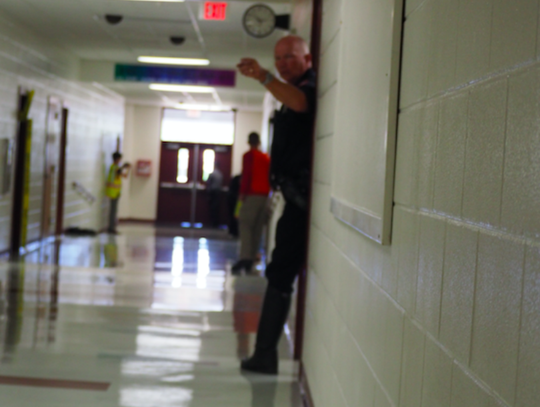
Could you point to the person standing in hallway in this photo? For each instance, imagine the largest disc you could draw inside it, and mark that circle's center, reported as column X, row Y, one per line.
column 254, row 190
column 233, row 195
column 114, row 187
column 289, row 172
column 213, row 189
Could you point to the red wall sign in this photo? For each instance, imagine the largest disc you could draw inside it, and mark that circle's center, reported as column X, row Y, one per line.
column 143, row 168
column 215, row 11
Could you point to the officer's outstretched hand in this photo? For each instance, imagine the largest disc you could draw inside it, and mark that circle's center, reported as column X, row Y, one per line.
column 250, row 67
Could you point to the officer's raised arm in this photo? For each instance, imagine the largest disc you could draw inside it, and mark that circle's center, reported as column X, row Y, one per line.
column 292, row 60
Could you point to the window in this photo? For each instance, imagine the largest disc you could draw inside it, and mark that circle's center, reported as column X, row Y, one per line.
column 203, row 127
column 183, row 166
column 209, row 160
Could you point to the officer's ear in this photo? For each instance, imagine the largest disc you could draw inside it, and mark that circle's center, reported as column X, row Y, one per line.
column 309, row 59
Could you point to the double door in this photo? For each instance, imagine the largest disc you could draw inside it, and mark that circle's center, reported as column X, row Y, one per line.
column 184, row 170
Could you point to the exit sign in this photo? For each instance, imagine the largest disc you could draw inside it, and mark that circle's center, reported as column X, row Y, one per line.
column 215, row 11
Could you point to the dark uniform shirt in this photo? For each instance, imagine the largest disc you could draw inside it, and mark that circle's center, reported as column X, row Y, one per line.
column 293, row 133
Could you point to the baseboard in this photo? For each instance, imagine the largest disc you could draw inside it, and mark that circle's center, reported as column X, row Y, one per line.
column 304, row 388
column 30, row 247
column 137, row 220
column 4, row 254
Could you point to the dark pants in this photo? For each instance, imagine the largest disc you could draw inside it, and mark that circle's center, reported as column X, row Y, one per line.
column 113, row 209
column 213, row 206
column 289, row 254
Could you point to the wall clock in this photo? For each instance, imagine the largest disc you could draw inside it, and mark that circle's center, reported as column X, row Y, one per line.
column 259, row 21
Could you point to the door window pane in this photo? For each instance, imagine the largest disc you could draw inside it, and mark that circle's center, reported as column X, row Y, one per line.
column 209, row 159
column 183, row 166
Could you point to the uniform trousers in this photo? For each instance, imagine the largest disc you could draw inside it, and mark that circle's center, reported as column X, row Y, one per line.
column 289, row 253
column 113, row 210
column 251, row 221
column 214, row 207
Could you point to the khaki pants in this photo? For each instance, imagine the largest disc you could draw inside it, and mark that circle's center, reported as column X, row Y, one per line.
column 251, row 222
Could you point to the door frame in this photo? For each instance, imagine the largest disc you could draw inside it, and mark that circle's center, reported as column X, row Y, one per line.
column 316, row 31
column 50, row 175
column 61, row 173
column 20, row 164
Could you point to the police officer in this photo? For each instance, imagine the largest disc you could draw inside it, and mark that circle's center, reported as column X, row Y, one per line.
column 290, row 173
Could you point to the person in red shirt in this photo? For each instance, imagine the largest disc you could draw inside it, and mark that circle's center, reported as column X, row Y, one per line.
column 254, row 190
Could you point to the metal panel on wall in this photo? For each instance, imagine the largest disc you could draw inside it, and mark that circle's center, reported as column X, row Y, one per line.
column 364, row 147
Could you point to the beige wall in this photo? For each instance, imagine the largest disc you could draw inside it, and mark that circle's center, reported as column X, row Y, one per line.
column 449, row 314
column 142, row 141
column 95, row 120
column 142, row 127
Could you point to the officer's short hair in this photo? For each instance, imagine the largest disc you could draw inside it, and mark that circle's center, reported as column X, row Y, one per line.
column 116, row 156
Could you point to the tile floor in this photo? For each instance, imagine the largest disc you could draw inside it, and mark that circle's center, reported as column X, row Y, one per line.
column 135, row 320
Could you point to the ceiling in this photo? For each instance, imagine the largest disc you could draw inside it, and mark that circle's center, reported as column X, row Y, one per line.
column 79, row 27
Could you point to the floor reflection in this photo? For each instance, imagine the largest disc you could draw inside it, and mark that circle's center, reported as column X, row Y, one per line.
column 159, row 318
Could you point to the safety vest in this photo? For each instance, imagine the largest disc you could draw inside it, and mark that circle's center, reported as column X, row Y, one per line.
column 114, row 182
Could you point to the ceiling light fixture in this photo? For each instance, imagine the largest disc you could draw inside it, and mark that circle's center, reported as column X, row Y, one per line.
column 212, row 108
column 173, row 61
column 181, row 88
column 160, row 1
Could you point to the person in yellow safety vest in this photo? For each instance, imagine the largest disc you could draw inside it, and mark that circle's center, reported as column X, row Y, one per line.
column 114, row 187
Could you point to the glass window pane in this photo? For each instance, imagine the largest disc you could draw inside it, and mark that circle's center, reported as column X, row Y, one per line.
column 183, row 166
column 209, row 158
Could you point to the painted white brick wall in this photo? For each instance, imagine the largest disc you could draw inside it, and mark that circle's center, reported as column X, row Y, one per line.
column 95, row 120
column 449, row 314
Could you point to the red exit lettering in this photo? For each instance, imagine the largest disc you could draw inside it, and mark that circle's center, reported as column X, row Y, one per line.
column 215, row 11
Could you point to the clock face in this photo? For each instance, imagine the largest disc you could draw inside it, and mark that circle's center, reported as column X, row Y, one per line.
column 259, row 21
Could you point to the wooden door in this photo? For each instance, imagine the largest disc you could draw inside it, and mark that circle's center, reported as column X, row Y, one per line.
column 182, row 198
column 176, row 183
column 52, row 138
column 222, row 157
column 61, row 174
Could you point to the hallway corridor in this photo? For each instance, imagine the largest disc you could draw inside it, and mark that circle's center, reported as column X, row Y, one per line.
column 135, row 320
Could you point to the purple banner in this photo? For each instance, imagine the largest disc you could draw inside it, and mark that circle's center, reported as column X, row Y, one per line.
column 177, row 76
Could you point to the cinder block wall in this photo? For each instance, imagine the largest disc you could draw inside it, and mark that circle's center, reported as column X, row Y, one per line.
column 95, row 120
column 449, row 314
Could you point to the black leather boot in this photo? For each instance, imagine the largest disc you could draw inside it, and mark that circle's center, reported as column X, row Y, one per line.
column 273, row 316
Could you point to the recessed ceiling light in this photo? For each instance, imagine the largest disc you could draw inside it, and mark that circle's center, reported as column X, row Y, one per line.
column 181, row 88
column 213, row 108
column 173, row 61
